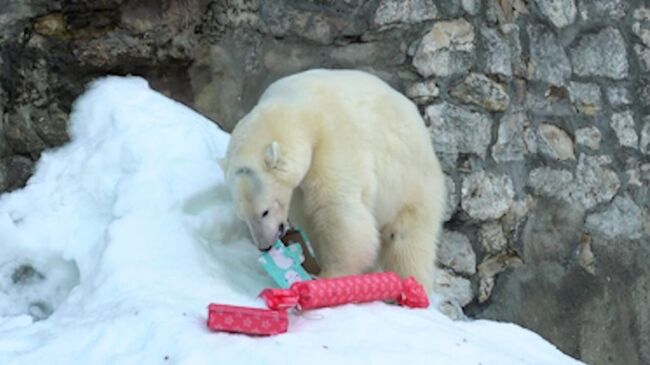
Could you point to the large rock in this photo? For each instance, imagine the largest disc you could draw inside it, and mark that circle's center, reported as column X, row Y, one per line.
column 16, row 15
column 602, row 54
column 404, row 12
column 498, row 58
column 322, row 25
column 622, row 219
column 14, row 172
column 623, row 125
column 486, row 195
column 548, row 60
column 452, row 198
column 645, row 136
column 602, row 9
column 457, row 130
column 594, row 183
column 641, row 25
column 447, row 49
column 559, row 12
column 480, row 90
column 492, row 237
column 643, row 55
column 555, row 142
column 599, row 318
column 456, row 290
column 423, row 92
column 456, row 253
column 515, row 139
column 470, row 6
column 589, row 136
column 550, row 234
column 585, row 97
column 549, row 182
column 549, row 105
column 618, row 96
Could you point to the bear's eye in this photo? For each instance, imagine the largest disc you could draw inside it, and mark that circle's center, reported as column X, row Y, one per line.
column 265, row 213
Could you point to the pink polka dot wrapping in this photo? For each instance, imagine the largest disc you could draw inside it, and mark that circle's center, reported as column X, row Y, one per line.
column 252, row 321
column 352, row 289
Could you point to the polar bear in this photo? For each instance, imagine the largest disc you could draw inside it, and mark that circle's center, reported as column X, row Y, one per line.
column 347, row 158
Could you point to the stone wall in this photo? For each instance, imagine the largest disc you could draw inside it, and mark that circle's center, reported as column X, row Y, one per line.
column 539, row 111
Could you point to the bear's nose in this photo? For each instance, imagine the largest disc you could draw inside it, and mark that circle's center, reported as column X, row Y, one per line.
column 281, row 229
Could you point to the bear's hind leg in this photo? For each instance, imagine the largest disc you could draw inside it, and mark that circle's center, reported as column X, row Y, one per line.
column 409, row 246
column 348, row 240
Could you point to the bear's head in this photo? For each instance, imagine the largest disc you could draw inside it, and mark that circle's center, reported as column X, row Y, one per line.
column 259, row 198
column 264, row 163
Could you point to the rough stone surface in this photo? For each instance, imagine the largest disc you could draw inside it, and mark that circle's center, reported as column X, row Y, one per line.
column 447, row 49
column 537, row 264
column 453, row 288
column 498, row 52
column 480, row 90
column 14, row 172
column 546, row 181
column 423, row 92
column 410, row 11
column 623, row 125
column 456, row 253
column 622, row 218
column 642, row 91
column 641, row 25
column 602, row 9
column 452, row 198
column 585, row 97
column 492, row 238
column 513, row 33
column 589, row 136
column 555, row 142
column 514, row 138
column 602, row 54
column 594, row 183
column 618, row 96
column 470, row 6
column 643, row 55
column 552, row 231
column 559, row 12
column 486, row 196
column 644, row 171
column 645, row 136
column 457, row 130
column 546, row 105
column 548, row 60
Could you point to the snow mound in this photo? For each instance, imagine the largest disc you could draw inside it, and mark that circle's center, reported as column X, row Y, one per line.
column 123, row 236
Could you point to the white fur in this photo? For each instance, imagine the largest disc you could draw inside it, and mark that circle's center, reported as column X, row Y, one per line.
column 354, row 160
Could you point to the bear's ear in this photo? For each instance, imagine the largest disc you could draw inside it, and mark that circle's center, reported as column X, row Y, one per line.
column 271, row 155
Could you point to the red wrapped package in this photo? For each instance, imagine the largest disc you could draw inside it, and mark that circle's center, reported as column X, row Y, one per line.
column 348, row 289
column 252, row 321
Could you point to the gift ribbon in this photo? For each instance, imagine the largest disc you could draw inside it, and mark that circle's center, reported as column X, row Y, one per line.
column 413, row 294
column 280, row 299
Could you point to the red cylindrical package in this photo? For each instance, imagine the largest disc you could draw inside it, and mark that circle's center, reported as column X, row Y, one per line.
column 328, row 292
column 252, row 321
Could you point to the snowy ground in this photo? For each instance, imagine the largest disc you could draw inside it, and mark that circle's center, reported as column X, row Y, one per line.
column 130, row 235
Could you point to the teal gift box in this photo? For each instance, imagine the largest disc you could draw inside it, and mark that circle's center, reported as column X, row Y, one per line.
column 284, row 264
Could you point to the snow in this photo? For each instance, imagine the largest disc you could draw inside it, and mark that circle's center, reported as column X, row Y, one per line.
column 126, row 234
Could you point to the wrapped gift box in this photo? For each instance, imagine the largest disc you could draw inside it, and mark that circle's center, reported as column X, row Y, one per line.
column 252, row 321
